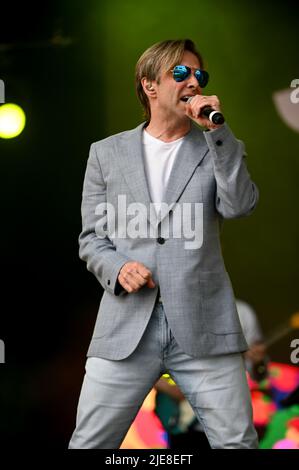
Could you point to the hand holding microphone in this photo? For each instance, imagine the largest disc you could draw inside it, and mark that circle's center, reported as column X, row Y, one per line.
column 214, row 116
column 205, row 110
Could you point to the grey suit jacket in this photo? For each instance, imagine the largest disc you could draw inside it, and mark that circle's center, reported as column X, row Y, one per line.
column 195, row 288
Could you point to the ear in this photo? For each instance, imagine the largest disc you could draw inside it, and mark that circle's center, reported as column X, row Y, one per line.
column 149, row 87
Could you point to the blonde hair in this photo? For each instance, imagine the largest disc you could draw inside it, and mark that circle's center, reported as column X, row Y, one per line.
column 162, row 55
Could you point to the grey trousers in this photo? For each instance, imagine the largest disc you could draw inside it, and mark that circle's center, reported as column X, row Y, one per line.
column 113, row 392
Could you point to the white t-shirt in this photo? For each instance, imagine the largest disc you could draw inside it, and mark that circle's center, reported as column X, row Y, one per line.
column 159, row 158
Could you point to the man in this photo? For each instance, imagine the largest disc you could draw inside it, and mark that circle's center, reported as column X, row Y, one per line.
column 168, row 304
column 256, row 358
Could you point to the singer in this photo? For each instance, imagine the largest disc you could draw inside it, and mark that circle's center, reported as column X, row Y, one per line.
column 166, row 308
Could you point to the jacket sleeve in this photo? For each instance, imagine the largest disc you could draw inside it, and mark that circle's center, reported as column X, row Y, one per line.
column 95, row 247
column 236, row 193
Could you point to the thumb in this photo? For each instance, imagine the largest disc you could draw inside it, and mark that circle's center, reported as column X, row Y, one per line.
column 150, row 283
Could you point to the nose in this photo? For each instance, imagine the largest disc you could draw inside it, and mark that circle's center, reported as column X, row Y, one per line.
column 192, row 82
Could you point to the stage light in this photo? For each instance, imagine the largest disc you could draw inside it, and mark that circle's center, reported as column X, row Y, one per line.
column 12, row 120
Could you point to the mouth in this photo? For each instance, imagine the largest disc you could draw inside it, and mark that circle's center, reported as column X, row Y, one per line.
column 186, row 97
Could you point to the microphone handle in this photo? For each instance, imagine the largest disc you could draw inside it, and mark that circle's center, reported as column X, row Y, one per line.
column 214, row 116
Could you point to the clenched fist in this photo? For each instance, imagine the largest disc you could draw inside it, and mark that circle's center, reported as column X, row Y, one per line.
column 133, row 275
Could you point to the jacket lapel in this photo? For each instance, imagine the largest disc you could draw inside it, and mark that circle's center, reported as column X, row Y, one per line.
column 191, row 153
column 131, row 161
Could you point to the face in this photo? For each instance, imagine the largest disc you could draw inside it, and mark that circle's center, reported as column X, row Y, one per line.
column 170, row 93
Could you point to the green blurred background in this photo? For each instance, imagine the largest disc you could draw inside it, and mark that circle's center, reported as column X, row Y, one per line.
column 83, row 91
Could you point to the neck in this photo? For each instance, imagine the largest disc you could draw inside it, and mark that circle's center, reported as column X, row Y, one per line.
column 168, row 130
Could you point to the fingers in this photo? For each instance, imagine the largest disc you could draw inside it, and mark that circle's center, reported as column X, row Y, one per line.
column 256, row 353
column 128, row 283
column 134, row 275
column 194, row 109
column 199, row 102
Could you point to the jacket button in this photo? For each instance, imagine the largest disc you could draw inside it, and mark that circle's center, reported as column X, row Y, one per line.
column 219, row 142
column 161, row 240
column 108, row 282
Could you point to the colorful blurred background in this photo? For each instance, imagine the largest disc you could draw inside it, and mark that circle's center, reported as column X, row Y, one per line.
column 70, row 67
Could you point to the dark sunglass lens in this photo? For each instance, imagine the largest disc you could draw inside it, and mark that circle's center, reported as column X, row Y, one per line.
column 202, row 77
column 180, row 73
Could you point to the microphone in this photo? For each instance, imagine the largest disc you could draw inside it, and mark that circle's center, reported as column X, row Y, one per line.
column 214, row 116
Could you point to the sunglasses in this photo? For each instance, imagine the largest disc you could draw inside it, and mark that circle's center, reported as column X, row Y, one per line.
column 181, row 72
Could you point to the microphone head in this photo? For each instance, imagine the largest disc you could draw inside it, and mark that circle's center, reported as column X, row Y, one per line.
column 216, row 117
